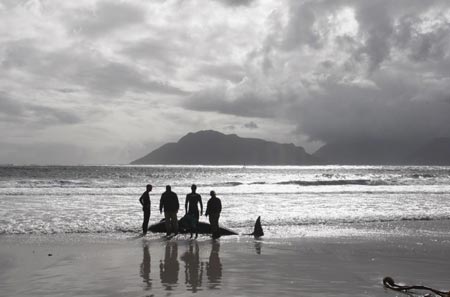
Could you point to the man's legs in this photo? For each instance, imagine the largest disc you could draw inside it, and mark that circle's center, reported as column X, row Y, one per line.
column 196, row 216
column 167, row 222
column 214, row 221
column 174, row 221
column 146, row 219
column 171, row 222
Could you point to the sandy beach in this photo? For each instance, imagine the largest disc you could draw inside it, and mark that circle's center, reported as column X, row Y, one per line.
column 123, row 265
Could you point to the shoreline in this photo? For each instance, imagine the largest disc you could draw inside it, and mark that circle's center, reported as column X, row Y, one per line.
column 107, row 265
column 401, row 228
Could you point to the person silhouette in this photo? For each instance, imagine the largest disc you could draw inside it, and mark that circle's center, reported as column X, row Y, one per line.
column 145, row 202
column 193, row 267
column 214, row 266
column 145, row 268
column 191, row 207
column 169, row 268
column 213, row 209
column 169, row 202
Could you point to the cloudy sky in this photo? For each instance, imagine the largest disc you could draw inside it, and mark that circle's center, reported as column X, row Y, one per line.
column 107, row 81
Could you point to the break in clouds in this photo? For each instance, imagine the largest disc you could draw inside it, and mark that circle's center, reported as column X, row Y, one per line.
column 107, row 81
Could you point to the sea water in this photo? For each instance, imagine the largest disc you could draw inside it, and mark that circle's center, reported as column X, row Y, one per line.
column 293, row 201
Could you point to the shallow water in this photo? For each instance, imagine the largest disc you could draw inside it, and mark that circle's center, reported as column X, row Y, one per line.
column 292, row 201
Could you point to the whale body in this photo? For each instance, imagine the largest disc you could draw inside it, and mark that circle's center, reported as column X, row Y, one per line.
column 205, row 228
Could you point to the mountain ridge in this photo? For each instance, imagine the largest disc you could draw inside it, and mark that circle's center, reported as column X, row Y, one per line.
column 209, row 147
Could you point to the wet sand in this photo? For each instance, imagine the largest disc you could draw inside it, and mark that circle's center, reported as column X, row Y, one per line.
column 104, row 265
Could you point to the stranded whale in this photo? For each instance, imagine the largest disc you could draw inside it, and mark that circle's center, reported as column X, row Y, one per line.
column 205, row 228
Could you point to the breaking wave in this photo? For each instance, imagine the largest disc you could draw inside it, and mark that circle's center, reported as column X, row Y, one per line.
column 59, row 200
column 365, row 182
column 340, row 182
column 268, row 223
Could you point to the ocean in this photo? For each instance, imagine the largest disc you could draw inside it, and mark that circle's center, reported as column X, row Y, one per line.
column 293, row 201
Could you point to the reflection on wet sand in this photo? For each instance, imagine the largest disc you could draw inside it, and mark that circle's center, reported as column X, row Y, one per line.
column 146, row 268
column 169, row 267
column 258, row 246
column 193, row 268
column 214, row 267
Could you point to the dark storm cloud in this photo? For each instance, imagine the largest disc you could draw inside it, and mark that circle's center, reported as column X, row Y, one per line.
column 299, row 30
column 115, row 79
column 393, row 27
column 50, row 115
column 153, row 48
column 13, row 110
column 216, row 99
column 379, row 71
column 374, row 21
column 105, row 17
column 422, row 46
column 67, row 90
column 371, row 115
column 159, row 52
column 328, row 68
column 231, row 72
column 404, row 102
column 236, row 2
column 82, row 68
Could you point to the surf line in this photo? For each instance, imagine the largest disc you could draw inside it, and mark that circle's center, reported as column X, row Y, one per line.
column 389, row 283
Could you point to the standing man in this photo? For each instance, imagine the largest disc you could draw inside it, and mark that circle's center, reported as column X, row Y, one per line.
column 169, row 202
column 213, row 209
column 145, row 202
column 192, row 200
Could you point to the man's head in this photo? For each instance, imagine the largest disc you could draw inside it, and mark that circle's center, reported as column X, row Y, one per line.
column 193, row 188
column 212, row 193
column 168, row 188
column 149, row 188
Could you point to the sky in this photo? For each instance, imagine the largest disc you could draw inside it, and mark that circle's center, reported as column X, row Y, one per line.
column 108, row 81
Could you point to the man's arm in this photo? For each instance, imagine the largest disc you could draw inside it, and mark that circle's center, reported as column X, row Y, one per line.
column 141, row 200
column 161, row 204
column 201, row 204
column 186, row 203
column 177, row 202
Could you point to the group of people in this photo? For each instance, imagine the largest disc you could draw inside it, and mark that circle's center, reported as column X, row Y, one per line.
column 170, row 205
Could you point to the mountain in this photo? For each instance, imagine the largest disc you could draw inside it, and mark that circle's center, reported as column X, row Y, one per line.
column 367, row 152
column 214, row 148
column 435, row 152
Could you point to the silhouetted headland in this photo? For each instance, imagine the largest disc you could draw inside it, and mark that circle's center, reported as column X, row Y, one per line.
column 214, row 148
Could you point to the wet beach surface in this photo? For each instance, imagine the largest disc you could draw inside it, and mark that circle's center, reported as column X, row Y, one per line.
column 105, row 265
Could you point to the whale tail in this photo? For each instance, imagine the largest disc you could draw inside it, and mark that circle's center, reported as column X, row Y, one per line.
column 257, row 230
